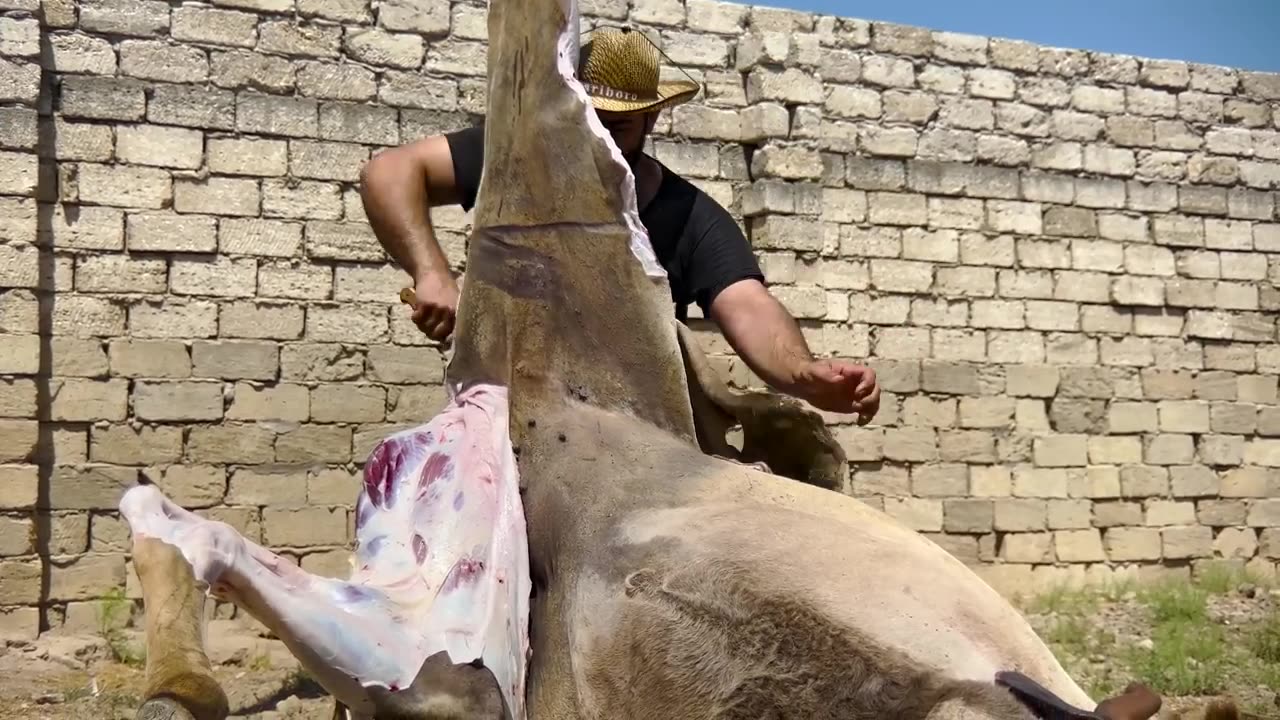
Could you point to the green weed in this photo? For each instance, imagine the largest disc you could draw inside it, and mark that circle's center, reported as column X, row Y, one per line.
column 1188, row 652
column 114, row 609
column 1063, row 600
column 1186, row 658
column 1264, row 642
column 1173, row 601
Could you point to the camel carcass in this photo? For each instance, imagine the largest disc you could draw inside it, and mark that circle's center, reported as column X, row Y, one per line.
column 559, row 543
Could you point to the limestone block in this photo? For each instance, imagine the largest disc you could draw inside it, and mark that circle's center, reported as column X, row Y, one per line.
column 145, row 445
column 1221, row 513
column 1180, row 543
column 1133, row 544
column 187, row 400
column 139, row 18
column 214, row 26
column 212, row 108
column 1079, row 546
column 158, row 60
column 315, row 444
column 79, row 54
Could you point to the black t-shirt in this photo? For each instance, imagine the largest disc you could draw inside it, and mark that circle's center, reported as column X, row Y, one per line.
column 696, row 240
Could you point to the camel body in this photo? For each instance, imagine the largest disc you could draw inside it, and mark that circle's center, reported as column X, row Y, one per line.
column 667, row 577
column 661, row 582
column 684, row 586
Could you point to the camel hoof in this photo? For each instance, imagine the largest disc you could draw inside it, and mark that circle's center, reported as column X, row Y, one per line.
column 163, row 708
column 1137, row 702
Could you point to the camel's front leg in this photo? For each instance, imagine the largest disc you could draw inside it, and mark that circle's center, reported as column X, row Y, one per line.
column 440, row 573
column 180, row 682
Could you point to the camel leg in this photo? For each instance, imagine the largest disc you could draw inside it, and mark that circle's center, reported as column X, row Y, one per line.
column 180, row 682
column 1137, row 702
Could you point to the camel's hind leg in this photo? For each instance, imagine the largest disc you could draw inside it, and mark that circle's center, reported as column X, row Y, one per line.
column 180, row 682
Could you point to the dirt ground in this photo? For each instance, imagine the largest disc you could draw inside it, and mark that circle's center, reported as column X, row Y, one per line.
column 74, row 677
column 1190, row 642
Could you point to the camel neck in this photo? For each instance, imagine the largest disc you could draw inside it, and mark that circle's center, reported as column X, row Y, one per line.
column 563, row 294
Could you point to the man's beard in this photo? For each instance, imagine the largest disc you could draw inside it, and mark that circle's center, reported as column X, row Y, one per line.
column 633, row 157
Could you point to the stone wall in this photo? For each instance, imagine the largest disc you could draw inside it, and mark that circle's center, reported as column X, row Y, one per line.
column 1065, row 266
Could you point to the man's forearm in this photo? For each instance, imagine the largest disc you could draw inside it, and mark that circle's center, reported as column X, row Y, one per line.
column 765, row 336
column 394, row 194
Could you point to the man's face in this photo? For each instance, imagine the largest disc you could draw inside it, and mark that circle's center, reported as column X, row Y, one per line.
column 628, row 131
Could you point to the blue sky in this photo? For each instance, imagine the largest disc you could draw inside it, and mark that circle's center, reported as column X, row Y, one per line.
column 1237, row 33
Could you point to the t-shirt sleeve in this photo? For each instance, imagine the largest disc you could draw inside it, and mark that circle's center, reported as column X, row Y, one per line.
column 467, row 148
column 720, row 254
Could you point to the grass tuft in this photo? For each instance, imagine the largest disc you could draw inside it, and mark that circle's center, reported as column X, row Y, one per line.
column 1172, row 601
column 1264, row 641
column 1184, row 649
column 1186, row 657
column 113, row 611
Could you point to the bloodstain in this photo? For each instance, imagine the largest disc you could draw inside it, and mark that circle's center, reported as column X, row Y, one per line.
column 438, row 466
column 380, row 472
column 457, row 501
column 464, row 571
column 354, row 593
column 419, row 548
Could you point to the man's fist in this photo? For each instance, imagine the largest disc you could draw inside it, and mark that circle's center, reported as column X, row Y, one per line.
column 435, row 304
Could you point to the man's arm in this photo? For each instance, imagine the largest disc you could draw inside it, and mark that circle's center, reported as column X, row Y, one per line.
column 725, row 279
column 729, row 286
column 762, row 332
column 768, row 339
column 398, row 187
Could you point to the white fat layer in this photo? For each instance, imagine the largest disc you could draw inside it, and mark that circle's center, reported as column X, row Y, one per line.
column 451, row 481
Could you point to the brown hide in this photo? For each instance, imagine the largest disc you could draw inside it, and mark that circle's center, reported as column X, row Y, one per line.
column 180, row 682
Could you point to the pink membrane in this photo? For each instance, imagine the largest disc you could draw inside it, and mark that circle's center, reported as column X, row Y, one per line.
column 441, row 560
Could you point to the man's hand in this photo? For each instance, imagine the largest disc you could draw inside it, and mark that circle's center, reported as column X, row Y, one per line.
column 435, row 305
column 839, row 386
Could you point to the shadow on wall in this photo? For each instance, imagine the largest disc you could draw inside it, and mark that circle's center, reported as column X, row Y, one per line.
column 48, row 194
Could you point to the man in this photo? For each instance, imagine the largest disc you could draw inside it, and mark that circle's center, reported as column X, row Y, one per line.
column 708, row 259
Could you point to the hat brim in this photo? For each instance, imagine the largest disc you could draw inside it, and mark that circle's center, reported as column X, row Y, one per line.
column 670, row 94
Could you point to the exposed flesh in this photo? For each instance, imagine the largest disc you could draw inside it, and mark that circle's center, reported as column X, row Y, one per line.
column 441, row 561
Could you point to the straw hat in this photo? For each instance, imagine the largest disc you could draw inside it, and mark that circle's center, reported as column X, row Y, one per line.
column 619, row 70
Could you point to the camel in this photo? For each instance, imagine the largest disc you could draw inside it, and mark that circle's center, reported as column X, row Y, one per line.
column 568, row 539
